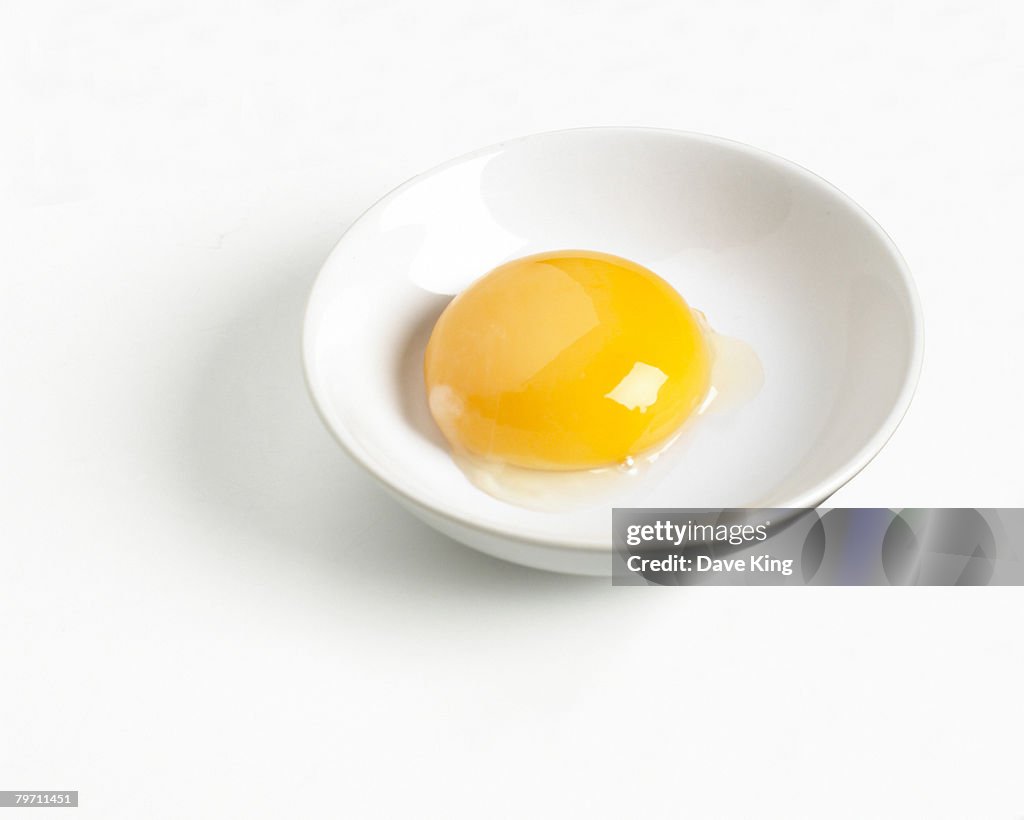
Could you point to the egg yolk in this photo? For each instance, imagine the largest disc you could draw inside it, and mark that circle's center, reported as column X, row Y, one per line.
column 565, row 360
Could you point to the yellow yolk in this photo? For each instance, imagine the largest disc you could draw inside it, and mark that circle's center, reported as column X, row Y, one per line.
column 566, row 360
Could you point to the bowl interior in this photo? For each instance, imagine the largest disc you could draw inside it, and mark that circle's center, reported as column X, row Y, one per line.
column 771, row 253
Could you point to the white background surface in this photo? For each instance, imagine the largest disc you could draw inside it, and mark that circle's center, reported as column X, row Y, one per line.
column 207, row 611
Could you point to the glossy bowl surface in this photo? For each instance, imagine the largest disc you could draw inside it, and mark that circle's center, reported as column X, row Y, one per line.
column 770, row 252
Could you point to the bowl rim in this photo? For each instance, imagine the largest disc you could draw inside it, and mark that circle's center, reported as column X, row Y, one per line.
column 809, row 498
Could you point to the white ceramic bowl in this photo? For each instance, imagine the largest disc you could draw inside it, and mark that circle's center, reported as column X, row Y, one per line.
column 770, row 252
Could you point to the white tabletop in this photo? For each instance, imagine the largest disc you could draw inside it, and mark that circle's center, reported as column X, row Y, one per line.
column 207, row 611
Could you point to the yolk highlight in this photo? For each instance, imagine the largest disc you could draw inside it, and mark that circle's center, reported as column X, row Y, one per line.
column 566, row 360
